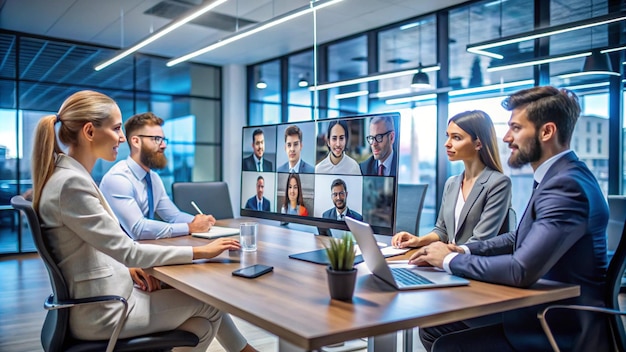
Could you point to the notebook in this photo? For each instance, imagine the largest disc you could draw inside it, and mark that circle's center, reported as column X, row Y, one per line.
column 402, row 277
column 217, row 231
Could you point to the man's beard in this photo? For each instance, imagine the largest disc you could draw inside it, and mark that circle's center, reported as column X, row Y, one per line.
column 152, row 159
column 524, row 157
column 341, row 206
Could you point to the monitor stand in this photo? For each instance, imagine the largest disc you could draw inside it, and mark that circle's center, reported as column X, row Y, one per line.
column 323, row 231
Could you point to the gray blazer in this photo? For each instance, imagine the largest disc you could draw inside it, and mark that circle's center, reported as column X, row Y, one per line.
column 92, row 250
column 484, row 211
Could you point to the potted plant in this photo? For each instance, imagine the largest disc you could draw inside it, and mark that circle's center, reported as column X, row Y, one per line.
column 341, row 271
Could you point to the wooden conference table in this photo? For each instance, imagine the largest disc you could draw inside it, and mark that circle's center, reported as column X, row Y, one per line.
column 293, row 302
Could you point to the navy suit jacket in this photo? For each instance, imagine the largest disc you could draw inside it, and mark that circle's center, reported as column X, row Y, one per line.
column 332, row 214
column 252, row 204
column 561, row 237
column 249, row 164
column 370, row 167
column 304, row 168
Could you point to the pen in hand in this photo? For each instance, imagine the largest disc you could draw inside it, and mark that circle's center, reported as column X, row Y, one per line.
column 195, row 206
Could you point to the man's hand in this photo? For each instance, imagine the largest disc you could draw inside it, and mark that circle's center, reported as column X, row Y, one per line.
column 215, row 248
column 404, row 239
column 201, row 223
column 455, row 248
column 144, row 281
column 432, row 254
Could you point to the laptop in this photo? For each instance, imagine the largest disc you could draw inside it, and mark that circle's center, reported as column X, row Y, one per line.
column 402, row 277
column 216, row 232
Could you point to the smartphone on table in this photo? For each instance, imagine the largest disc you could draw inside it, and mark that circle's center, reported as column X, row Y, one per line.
column 253, row 271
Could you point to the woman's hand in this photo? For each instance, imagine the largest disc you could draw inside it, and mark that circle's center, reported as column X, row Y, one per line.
column 404, row 239
column 144, row 281
column 215, row 248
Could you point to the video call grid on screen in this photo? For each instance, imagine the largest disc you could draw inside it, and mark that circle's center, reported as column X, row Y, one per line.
column 367, row 195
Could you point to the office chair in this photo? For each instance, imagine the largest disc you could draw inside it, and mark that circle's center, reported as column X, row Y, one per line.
column 410, row 203
column 55, row 333
column 211, row 197
column 614, row 276
column 617, row 215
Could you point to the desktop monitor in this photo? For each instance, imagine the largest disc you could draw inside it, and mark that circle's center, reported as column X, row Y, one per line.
column 315, row 172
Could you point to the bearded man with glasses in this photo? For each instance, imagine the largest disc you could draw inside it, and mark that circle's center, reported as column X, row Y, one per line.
column 136, row 193
column 381, row 137
column 339, row 196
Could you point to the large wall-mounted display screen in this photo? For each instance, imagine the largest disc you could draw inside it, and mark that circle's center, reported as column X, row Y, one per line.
column 318, row 172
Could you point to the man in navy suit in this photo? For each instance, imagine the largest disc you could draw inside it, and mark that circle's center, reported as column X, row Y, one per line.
column 256, row 161
column 258, row 202
column 339, row 195
column 293, row 148
column 561, row 236
column 381, row 138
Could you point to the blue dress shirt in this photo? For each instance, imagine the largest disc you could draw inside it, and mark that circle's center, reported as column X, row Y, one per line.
column 124, row 188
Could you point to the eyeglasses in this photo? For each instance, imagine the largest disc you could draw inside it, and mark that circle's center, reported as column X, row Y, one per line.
column 378, row 138
column 156, row 139
column 340, row 194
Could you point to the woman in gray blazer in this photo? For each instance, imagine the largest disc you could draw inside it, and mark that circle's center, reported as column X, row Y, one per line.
column 475, row 203
column 91, row 249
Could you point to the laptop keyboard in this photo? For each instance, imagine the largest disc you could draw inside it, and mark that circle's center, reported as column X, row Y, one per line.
column 406, row 277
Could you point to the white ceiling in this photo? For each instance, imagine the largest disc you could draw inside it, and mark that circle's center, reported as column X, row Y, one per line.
column 122, row 23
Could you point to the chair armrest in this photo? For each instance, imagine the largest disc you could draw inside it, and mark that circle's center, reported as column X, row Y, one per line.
column 52, row 304
column 544, row 324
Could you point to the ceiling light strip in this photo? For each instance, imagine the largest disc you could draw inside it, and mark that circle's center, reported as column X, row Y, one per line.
column 588, row 73
column 498, row 86
column 358, row 93
column 587, row 86
column 610, row 50
column 391, row 93
column 544, row 32
column 160, row 33
column 363, row 79
column 538, row 61
column 314, row 6
column 410, row 99
column 374, row 77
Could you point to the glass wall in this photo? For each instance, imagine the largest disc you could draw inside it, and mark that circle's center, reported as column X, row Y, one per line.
column 464, row 81
column 46, row 71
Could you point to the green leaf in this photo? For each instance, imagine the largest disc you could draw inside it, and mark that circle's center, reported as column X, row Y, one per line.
column 340, row 253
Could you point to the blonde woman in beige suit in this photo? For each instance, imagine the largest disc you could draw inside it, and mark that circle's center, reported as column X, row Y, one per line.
column 95, row 256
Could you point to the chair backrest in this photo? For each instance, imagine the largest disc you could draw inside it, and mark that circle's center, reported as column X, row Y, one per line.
column 617, row 215
column 409, row 204
column 211, row 197
column 615, row 272
column 55, row 327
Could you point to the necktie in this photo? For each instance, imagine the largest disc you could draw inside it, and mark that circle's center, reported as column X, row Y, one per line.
column 150, row 196
column 381, row 169
column 258, row 166
column 535, row 184
column 259, row 205
column 341, row 216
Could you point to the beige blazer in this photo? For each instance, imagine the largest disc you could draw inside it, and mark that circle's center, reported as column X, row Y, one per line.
column 484, row 211
column 92, row 251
